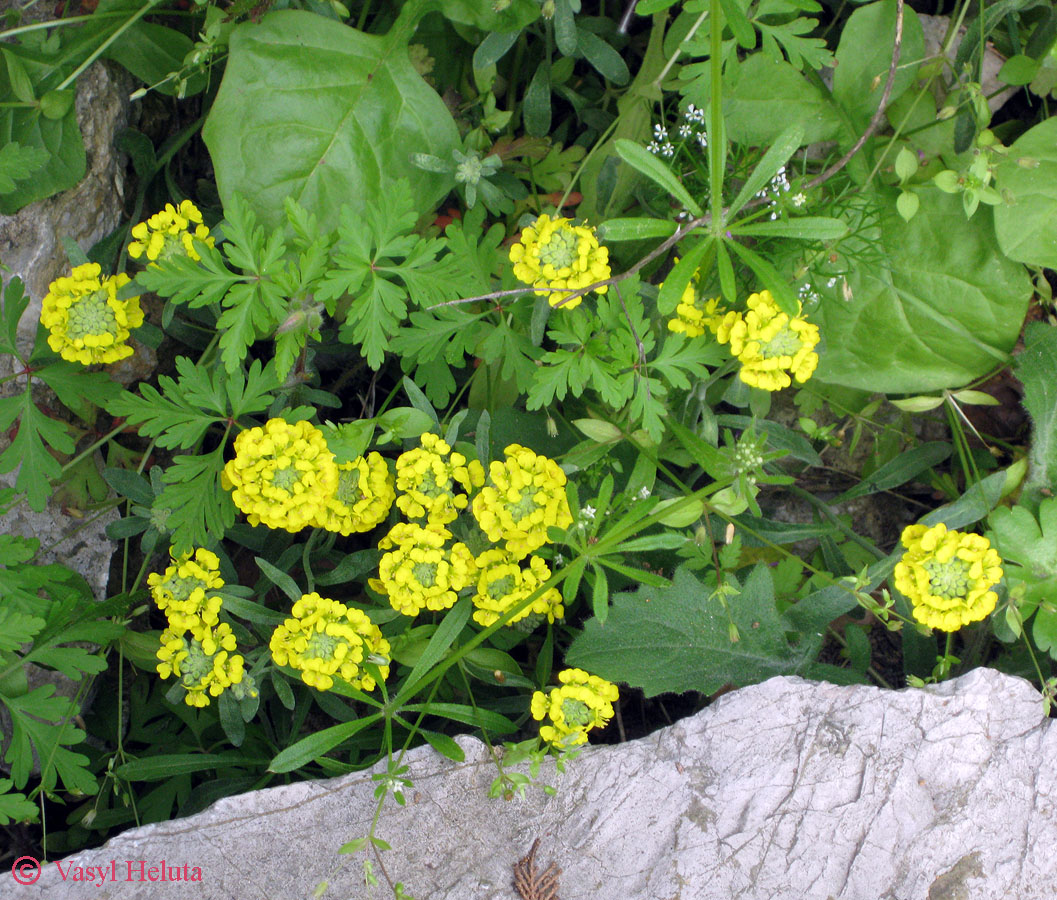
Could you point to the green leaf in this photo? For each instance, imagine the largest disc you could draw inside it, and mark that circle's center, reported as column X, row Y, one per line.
column 865, row 55
column 607, row 61
column 168, row 765
column 635, row 229
column 639, row 158
column 18, row 163
column 775, row 158
column 280, row 579
column 15, row 303
column 900, row 470
column 199, row 509
column 1025, row 225
column 59, row 138
column 450, row 628
column 315, row 110
column 1035, row 367
column 565, row 37
column 762, row 96
column 28, row 449
column 1018, row 69
column 151, row 53
column 493, row 48
column 770, row 277
column 14, row 807
column 536, row 106
column 675, row 284
column 18, row 77
column 806, row 228
column 678, row 638
column 933, row 314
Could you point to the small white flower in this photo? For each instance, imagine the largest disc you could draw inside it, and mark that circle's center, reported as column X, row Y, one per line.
column 644, row 492
column 799, row 199
column 588, row 512
column 653, row 147
column 702, row 139
column 831, row 282
column 685, row 130
column 667, row 150
column 660, row 132
column 558, row 559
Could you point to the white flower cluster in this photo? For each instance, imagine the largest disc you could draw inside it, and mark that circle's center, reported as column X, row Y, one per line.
column 661, row 145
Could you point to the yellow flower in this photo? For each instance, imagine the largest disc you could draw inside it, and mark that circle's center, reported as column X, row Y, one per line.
column 948, row 576
column 88, row 324
column 282, row 474
column 524, row 497
column 553, row 254
column 325, row 638
column 695, row 314
column 770, row 345
column 183, row 591
column 502, row 584
column 424, row 571
column 168, row 233
column 581, row 703
column 435, row 482
column 202, row 659
column 363, row 498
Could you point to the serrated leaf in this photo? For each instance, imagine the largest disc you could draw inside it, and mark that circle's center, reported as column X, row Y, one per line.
column 18, row 163
column 1035, row 366
column 678, row 638
column 28, row 450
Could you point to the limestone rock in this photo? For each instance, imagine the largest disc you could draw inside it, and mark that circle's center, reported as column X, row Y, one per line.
column 787, row 790
column 31, row 240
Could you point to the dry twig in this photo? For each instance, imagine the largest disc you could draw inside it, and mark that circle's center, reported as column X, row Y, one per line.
column 530, row 883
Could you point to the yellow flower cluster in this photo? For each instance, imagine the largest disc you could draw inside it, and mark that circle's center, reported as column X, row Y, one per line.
column 948, row 576
column 424, row 568
column 581, row 703
column 770, row 345
column 203, row 661
column 169, row 233
column 196, row 647
column 88, row 324
column 182, row 592
column 324, row 638
column 363, row 497
column 554, row 254
column 694, row 314
column 427, row 566
column 435, row 482
column 523, row 497
column 282, row 474
column 502, row 584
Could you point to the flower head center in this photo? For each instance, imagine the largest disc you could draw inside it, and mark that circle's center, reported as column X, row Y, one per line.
column 948, row 579
column 349, row 491
column 560, row 250
column 425, row 574
column 786, row 343
column 502, row 587
column 525, row 506
column 321, row 646
column 576, row 713
column 91, row 315
column 469, row 170
column 286, row 478
column 196, row 665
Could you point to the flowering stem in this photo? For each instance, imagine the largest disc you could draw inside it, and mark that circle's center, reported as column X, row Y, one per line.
column 132, row 20
column 717, row 144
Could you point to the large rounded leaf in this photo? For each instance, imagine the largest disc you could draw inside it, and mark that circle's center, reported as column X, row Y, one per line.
column 317, row 111
column 1027, row 228
column 940, row 308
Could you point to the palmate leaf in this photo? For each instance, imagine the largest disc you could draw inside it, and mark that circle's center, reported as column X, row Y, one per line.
column 29, row 449
column 384, row 265
column 678, row 638
column 41, row 724
column 18, row 163
column 199, row 509
column 180, row 414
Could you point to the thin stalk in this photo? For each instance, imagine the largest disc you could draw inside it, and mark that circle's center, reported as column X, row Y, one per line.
column 72, row 77
column 717, row 144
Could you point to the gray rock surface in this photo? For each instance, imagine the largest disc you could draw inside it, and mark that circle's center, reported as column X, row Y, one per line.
column 31, row 240
column 787, row 790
